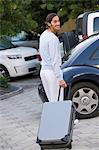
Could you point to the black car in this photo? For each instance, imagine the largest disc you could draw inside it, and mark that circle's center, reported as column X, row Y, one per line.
column 81, row 73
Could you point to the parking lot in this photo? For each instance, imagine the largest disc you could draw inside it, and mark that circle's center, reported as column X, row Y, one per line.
column 20, row 116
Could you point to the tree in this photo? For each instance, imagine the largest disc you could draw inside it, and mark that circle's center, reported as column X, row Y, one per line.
column 29, row 15
column 15, row 17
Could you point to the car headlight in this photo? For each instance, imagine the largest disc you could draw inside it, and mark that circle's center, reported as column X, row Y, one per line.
column 14, row 56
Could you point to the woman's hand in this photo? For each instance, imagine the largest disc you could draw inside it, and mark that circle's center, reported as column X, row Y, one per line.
column 62, row 84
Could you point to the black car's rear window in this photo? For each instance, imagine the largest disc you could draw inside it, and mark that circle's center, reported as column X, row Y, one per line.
column 80, row 48
column 96, row 54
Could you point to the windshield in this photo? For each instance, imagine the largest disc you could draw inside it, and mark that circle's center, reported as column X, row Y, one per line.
column 5, row 44
column 79, row 48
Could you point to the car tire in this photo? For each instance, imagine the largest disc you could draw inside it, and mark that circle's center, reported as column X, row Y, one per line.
column 4, row 71
column 85, row 97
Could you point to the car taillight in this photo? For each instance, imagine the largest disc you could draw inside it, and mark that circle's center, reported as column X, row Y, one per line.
column 84, row 37
column 39, row 57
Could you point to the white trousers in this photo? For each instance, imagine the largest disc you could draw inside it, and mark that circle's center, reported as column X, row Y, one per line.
column 51, row 85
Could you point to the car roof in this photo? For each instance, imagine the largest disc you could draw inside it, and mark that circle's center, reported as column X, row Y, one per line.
column 86, row 13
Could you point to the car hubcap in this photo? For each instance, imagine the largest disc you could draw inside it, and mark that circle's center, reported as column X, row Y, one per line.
column 2, row 72
column 85, row 100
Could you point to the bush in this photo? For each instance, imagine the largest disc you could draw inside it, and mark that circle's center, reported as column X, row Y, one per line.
column 4, row 81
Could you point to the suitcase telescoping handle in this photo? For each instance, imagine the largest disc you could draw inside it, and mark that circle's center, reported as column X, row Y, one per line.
column 59, row 92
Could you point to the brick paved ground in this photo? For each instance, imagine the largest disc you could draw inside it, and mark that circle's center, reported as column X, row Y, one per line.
column 19, row 121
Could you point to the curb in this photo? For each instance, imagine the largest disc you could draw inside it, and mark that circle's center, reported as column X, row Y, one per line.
column 10, row 94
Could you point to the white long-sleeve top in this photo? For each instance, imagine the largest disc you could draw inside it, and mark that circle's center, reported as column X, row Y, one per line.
column 50, row 53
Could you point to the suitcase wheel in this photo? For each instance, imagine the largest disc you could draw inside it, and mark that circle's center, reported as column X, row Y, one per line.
column 70, row 145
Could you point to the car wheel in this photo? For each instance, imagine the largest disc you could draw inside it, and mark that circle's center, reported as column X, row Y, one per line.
column 85, row 97
column 4, row 71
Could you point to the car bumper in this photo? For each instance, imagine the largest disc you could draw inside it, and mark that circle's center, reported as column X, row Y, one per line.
column 23, row 68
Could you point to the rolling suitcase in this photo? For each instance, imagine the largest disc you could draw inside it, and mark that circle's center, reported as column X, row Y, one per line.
column 56, row 125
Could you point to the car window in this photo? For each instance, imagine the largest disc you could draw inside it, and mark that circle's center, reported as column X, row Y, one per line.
column 79, row 26
column 19, row 37
column 96, row 24
column 23, row 36
column 80, row 47
column 95, row 54
column 5, row 44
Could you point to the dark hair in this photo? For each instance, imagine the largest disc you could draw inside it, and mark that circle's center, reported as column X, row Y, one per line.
column 50, row 17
